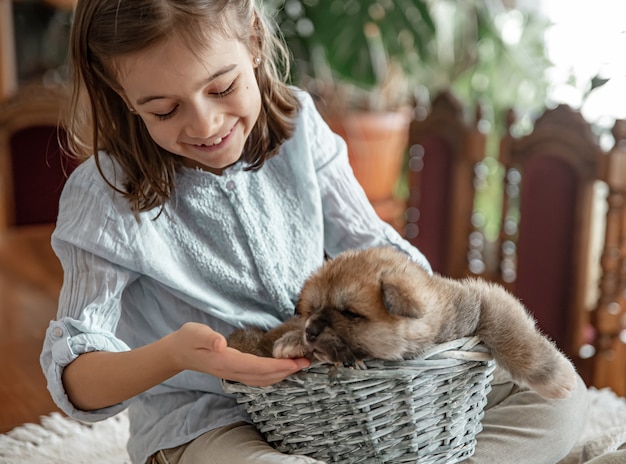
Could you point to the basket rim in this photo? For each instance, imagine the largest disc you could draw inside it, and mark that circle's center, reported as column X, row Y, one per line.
column 448, row 355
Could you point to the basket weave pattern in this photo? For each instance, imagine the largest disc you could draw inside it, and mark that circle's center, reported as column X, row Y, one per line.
column 426, row 410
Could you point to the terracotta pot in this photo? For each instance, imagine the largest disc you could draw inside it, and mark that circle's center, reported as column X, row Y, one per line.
column 376, row 145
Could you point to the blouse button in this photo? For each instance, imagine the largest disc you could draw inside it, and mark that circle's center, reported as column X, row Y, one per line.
column 230, row 185
column 57, row 332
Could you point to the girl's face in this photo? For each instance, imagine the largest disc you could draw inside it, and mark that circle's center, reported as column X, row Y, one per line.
column 199, row 105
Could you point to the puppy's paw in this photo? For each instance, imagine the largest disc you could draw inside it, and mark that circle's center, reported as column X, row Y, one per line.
column 558, row 381
column 357, row 364
column 246, row 340
column 290, row 345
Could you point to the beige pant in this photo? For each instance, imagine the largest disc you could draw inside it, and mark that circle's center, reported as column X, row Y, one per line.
column 238, row 443
column 518, row 427
column 521, row 427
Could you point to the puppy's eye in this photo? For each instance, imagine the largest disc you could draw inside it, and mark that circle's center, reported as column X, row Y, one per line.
column 351, row 314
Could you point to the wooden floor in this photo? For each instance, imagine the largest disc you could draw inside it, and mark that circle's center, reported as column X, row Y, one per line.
column 30, row 279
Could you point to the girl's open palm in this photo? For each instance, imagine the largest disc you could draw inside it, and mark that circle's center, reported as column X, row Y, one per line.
column 199, row 348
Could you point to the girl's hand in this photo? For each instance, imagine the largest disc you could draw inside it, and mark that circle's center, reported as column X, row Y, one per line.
column 199, row 348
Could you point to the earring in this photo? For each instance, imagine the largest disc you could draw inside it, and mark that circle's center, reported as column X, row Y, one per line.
column 257, row 61
column 132, row 110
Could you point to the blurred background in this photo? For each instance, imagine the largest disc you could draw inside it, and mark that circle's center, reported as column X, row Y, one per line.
column 523, row 54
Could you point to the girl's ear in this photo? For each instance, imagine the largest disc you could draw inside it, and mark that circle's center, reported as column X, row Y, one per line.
column 256, row 35
column 126, row 101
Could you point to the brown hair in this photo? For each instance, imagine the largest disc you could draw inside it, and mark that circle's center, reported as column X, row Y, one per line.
column 99, row 118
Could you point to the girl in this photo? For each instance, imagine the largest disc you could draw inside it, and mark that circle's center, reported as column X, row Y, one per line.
column 213, row 190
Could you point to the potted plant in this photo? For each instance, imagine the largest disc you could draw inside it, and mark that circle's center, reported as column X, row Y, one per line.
column 358, row 58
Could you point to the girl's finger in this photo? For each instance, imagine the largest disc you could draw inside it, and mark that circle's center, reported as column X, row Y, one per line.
column 244, row 364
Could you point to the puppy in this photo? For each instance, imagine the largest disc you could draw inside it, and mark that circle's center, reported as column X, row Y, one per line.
column 378, row 304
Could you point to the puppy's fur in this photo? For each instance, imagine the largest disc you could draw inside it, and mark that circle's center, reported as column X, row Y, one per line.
column 376, row 303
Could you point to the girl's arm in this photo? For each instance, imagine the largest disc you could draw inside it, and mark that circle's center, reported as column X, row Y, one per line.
column 99, row 379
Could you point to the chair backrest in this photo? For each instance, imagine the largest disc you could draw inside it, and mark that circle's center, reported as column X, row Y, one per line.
column 545, row 234
column 32, row 170
column 609, row 317
column 443, row 150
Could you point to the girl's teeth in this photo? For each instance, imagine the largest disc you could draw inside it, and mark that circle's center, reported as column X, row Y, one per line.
column 217, row 141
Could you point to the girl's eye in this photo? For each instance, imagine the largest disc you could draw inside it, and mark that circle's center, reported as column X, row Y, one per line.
column 164, row 116
column 229, row 90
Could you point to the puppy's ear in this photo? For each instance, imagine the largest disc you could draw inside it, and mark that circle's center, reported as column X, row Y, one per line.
column 399, row 299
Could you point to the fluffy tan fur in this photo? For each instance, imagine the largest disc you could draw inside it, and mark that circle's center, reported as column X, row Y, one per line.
column 376, row 303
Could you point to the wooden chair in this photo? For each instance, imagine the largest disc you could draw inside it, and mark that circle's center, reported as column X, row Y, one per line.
column 609, row 317
column 547, row 213
column 32, row 172
column 443, row 151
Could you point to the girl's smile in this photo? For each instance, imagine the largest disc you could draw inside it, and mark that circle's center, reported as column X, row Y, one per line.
column 217, row 143
column 200, row 105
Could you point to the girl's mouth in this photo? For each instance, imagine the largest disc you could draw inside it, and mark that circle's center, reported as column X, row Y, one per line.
column 216, row 142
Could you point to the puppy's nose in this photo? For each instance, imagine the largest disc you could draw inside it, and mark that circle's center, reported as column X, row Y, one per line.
column 312, row 331
column 314, row 327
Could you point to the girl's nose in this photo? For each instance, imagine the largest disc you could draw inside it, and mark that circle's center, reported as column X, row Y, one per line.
column 204, row 121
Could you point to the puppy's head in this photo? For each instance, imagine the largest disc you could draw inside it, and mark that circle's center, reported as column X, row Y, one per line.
column 360, row 305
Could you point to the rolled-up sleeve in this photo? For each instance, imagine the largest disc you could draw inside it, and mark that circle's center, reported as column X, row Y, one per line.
column 87, row 318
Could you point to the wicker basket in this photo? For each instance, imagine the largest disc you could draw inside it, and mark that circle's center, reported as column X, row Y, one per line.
column 426, row 410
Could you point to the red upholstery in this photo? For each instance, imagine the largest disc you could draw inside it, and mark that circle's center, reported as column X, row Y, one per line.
column 429, row 192
column 546, row 240
column 38, row 174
